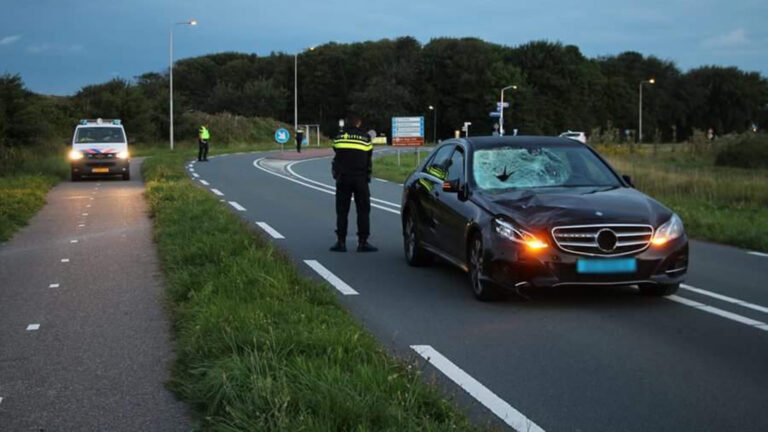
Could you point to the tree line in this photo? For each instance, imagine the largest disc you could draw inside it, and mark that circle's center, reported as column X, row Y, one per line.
column 558, row 89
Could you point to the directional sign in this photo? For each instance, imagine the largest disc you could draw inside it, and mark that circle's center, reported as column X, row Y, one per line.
column 282, row 135
column 494, row 114
column 407, row 131
column 499, row 104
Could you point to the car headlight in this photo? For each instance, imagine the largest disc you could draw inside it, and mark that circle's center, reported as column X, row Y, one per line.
column 123, row 155
column 668, row 231
column 75, row 155
column 509, row 231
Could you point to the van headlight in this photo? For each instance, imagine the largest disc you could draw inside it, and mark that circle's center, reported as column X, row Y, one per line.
column 123, row 155
column 75, row 155
column 668, row 231
column 509, row 231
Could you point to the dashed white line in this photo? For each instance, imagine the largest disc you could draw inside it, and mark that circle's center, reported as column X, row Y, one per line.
column 477, row 390
column 85, row 214
column 205, row 183
column 73, row 241
column 331, row 278
column 88, row 206
column 81, row 225
column 720, row 312
column 236, row 206
column 54, row 285
column 217, row 192
column 195, row 175
column 33, row 327
column 191, row 170
column 760, row 254
column 1, row 400
column 271, row 231
column 725, row 298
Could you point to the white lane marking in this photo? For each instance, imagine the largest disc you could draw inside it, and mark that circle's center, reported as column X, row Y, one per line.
column 257, row 165
column 725, row 298
column 73, row 241
column 1, row 400
column 65, row 260
column 271, row 231
column 195, row 175
column 33, row 327
column 53, row 286
column 88, row 206
column 331, row 278
column 81, row 225
column 91, row 198
column 720, row 312
column 289, row 167
column 191, row 170
column 237, row 206
column 382, row 180
column 205, row 183
column 85, row 214
column 217, row 192
column 760, row 254
column 477, row 390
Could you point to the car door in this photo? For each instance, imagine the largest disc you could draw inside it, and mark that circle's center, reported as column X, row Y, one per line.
column 452, row 212
column 427, row 188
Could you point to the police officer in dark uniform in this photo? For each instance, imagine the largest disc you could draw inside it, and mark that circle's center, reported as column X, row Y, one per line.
column 351, row 167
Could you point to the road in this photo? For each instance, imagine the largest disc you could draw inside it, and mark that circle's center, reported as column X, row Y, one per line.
column 570, row 359
column 84, row 338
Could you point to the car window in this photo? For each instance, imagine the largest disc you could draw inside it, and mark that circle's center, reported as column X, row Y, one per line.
column 456, row 166
column 99, row 135
column 438, row 165
column 534, row 167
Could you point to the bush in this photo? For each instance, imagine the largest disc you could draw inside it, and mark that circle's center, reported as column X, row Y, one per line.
column 228, row 129
column 750, row 151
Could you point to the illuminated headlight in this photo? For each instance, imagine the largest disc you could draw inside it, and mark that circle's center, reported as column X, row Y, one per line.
column 668, row 231
column 75, row 155
column 508, row 231
column 123, row 155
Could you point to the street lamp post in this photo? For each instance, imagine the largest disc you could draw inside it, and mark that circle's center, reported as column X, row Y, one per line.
column 501, row 116
column 170, row 72
column 434, row 123
column 296, row 91
column 640, row 110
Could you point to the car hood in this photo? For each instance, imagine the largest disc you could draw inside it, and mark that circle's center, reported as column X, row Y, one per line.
column 546, row 208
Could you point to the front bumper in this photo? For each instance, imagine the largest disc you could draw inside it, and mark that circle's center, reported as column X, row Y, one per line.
column 511, row 266
column 96, row 167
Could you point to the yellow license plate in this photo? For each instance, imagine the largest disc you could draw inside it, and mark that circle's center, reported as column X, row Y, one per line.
column 99, row 170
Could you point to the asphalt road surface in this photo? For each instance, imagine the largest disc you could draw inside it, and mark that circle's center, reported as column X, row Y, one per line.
column 570, row 359
column 84, row 337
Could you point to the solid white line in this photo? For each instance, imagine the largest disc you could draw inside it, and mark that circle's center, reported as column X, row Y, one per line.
column 53, row 286
column 495, row 404
column 760, row 254
column 217, row 192
column 65, row 260
column 271, row 231
column 724, row 298
column 196, row 175
column 382, row 180
column 33, row 327
column 258, row 165
column 1, row 400
column 720, row 312
column 73, row 241
column 204, row 182
column 237, row 206
column 331, row 278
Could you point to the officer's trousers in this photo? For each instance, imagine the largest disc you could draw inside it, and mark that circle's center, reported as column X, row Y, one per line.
column 346, row 187
column 202, row 151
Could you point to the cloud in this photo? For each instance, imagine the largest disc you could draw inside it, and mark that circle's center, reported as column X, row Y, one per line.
column 734, row 39
column 7, row 40
column 55, row 49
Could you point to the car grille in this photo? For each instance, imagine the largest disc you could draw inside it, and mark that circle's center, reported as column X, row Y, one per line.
column 99, row 156
column 604, row 239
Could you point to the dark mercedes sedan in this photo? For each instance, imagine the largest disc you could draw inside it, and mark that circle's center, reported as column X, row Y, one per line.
column 521, row 211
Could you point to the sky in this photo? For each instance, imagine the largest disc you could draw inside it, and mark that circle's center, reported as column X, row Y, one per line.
column 58, row 46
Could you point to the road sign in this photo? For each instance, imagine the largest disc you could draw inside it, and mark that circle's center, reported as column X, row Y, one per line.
column 282, row 135
column 498, row 105
column 407, row 131
column 495, row 114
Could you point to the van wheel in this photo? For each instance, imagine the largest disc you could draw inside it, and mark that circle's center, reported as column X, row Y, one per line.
column 75, row 176
column 127, row 175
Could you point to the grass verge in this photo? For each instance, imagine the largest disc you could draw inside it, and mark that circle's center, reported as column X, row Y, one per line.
column 259, row 346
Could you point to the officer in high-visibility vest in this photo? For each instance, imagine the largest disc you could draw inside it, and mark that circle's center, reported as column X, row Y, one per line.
column 202, row 142
column 351, row 167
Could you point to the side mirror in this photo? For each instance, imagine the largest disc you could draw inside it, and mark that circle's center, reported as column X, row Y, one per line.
column 628, row 179
column 451, row 186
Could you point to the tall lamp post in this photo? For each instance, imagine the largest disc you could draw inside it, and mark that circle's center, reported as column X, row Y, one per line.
column 170, row 69
column 296, row 90
column 640, row 110
column 434, row 123
column 501, row 116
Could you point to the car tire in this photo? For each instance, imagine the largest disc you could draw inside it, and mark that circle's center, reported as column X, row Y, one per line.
column 415, row 255
column 127, row 175
column 483, row 290
column 658, row 290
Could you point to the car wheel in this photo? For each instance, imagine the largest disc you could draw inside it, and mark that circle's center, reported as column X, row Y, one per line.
column 127, row 175
column 482, row 290
column 658, row 290
column 415, row 255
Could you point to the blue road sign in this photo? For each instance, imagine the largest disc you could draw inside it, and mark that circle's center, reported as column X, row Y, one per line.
column 282, row 135
column 495, row 114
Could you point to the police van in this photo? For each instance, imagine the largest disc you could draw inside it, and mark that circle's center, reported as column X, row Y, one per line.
column 99, row 147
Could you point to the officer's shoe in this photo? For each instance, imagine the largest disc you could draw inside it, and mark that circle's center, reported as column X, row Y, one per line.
column 339, row 246
column 364, row 246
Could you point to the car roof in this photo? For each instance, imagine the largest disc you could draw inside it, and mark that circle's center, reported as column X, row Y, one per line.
column 520, row 141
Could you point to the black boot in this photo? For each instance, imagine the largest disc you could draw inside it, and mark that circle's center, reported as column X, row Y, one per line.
column 364, row 246
column 339, row 246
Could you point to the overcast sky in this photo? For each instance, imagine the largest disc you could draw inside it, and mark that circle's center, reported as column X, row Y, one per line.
column 57, row 46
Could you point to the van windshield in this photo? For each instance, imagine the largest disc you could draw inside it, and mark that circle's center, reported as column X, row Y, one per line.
column 99, row 135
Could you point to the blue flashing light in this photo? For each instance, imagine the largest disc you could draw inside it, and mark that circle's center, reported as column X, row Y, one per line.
column 83, row 122
column 116, row 121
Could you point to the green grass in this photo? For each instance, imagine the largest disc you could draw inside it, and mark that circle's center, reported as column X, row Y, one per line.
column 386, row 167
column 262, row 348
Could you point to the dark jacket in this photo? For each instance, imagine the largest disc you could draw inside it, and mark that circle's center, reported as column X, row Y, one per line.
column 353, row 154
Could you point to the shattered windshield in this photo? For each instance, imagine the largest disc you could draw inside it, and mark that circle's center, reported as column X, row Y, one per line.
column 536, row 167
